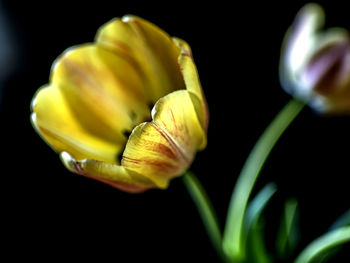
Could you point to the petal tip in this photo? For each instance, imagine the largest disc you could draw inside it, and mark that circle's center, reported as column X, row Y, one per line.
column 313, row 8
column 69, row 162
column 128, row 18
column 313, row 14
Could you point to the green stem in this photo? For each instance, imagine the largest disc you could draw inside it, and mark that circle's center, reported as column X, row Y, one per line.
column 324, row 243
column 205, row 209
column 232, row 241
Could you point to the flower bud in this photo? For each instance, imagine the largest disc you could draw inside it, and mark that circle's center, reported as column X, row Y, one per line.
column 315, row 66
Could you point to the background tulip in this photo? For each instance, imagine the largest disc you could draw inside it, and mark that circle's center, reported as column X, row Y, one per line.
column 315, row 65
column 100, row 93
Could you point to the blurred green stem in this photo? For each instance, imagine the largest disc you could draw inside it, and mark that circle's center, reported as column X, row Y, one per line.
column 206, row 211
column 232, row 240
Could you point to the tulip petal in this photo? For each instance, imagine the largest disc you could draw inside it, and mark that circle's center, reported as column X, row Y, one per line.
column 301, row 37
column 191, row 78
column 114, row 175
column 147, row 48
column 103, row 91
column 54, row 120
column 165, row 147
column 338, row 103
column 303, row 43
column 297, row 46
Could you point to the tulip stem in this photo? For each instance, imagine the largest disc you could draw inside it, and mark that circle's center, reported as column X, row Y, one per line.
column 206, row 211
column 232, row 240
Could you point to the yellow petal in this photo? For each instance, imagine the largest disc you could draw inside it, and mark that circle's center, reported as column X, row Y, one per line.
column 105, row 93
column 147, row 48
column 165, row 147
column 191, row 78
column 176, row 115
column 54, row 120
column 114, row 175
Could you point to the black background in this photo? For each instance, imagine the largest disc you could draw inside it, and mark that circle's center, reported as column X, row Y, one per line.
column 51, row 214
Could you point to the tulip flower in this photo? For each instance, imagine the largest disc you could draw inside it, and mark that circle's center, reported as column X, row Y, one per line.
column 127, row 110
column 315, row 65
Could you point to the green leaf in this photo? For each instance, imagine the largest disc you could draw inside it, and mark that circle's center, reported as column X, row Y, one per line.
column 343, row 220
column 232, row 239
column 256, row 251
column 288, row 234
column 253, row 231
column 257, row 205
column 322, row 245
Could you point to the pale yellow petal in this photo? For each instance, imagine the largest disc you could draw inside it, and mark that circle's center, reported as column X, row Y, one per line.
column 103, row 91
column 191, row 78
column 176, row 115
column 165, row 147
column 54, row 120
column 112, row 174
column 147, row 48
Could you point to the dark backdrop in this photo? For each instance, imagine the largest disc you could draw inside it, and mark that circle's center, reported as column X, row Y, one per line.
column 50, row 213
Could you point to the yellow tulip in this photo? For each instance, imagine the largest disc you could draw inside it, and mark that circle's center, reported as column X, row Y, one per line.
column 96, row 110
column 315, row 65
